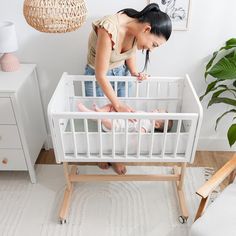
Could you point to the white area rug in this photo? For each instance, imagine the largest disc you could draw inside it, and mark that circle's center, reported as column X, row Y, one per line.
column 97, row 209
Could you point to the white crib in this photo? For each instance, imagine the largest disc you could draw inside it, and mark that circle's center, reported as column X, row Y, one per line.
column 78, row 136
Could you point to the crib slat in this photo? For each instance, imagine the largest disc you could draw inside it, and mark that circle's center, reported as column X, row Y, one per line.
column 148, row 89
column 100, row 137
column 59, row 133
column 152, row 138
column 113, row 140
column 137, row 89
column 83, row 88
column 177, row 137
column 164, row 140
column 115, row 87
column 168, row 95
column 139, row 138
column 158, row 89
column 190, row 138
column 126, row 138
column 74, row 137
column 87, row 136
column 94, row 89
column 126, row 88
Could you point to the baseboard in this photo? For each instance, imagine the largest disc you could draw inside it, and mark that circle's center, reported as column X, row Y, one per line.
column 214, row 144
column 204, row 144
column 49, row 141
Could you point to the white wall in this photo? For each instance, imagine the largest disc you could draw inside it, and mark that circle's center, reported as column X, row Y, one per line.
column 212, row 22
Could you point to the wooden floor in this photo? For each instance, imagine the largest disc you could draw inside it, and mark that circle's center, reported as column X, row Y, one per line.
column 202, row 159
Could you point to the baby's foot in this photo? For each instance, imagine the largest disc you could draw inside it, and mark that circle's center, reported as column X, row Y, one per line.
column 119, row 168
column 95, row 107
column 103, row 165
column 80, row 106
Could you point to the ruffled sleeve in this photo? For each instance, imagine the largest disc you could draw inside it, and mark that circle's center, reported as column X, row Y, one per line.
column 110, row 25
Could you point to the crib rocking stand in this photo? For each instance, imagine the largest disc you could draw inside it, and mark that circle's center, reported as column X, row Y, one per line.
column 73, row 176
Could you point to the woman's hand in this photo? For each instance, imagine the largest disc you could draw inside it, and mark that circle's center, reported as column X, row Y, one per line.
column 124, row 108
column 140, row 76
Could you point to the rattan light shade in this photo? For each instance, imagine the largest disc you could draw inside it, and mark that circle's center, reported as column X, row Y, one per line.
column 55, row 16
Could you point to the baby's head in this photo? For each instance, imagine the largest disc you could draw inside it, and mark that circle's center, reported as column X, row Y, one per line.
column 159, row 124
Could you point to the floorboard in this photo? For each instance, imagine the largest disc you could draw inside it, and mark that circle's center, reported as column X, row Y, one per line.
column 202, row 159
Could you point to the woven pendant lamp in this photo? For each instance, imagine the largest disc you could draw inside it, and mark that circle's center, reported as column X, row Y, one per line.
column 55, row 16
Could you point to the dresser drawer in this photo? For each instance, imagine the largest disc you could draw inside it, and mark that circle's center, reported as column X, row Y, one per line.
column 12, row 160
column 9, row 137
column 6, row 112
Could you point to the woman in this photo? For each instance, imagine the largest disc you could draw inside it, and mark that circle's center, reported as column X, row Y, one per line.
column 111, row 51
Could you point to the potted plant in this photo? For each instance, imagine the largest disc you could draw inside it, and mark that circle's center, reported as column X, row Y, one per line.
column 222, row 67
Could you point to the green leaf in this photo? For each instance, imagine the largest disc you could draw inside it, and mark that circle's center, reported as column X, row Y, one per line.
column 211, row 61
column 234, row 83
column 231, row 43
column 209, row 64
column 232, row 134
column 225, row 113
column 230, row 55
column 224, row 69
column 216, row 94
column 225, row 100
column 211, row 87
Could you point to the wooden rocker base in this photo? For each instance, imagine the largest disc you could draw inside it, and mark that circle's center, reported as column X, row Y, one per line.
column 72, row 176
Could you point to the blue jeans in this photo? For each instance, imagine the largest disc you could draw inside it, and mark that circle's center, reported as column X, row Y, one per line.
column 119, row 71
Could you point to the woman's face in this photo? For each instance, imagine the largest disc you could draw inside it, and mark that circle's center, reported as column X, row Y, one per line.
column 148, row 41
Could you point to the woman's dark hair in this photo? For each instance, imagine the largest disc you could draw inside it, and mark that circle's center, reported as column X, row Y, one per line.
column 159, row 21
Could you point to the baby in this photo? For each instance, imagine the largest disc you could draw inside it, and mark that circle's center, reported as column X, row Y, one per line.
column 133, row 125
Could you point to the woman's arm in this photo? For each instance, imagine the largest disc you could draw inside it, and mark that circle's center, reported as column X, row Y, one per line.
column 131, row 63
column 103, row 53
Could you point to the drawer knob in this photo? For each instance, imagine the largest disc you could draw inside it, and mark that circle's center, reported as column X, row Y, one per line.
column 5, row 161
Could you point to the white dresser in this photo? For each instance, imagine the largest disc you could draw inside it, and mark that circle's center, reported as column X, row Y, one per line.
column 22, row 124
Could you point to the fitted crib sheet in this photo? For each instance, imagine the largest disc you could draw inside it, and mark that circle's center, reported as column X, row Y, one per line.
column 120, row 141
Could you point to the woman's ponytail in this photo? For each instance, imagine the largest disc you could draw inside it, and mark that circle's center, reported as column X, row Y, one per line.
column 151, row 7
column 159, row 21
column 139, row 14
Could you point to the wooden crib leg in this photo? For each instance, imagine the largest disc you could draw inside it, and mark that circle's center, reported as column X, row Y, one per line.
column 179, row 185
column 68, row 192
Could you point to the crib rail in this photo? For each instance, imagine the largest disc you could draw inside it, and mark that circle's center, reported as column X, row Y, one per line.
column 85, row 145
column 154, row 87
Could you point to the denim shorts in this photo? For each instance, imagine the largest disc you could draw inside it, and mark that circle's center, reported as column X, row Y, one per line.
column 119, row 71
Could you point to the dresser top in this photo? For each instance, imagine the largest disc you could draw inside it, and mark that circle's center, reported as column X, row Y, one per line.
column 12, row 81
